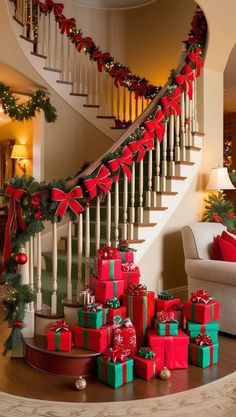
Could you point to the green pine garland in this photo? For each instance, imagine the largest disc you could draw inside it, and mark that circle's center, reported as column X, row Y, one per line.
column 26, row 111
column 219, row 210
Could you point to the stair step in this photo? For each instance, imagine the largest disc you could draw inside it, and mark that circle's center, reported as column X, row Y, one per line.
column 46, row 313
column 26, row 39
column 146, row 224
column 198, row 133
column 185, row 163
column 65, row 82
column 155, row 208
column 38, row 55
column 176, row 177
column 193, row 148
column 135, row 241
column 18, row 21
column 166, row 193
column 79, row 94
column 105, row 117
column 120, row 128
column 95, row 106
column 52, row 69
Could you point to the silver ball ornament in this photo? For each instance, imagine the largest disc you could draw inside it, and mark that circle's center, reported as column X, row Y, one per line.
column 165, row 373
column 80, row 383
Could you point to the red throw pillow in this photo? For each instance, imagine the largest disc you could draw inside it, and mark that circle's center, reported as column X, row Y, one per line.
column 228, row 251
column 230, row 239
column 215, row 250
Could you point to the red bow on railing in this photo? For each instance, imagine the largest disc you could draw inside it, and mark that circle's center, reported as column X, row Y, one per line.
column 100, row 58
column 170, row 103
column 59, row 326
column 202, row 339
column 139, row 289
column 124, row 162
column 196, row 59
column 146, row 141
column 66, row 25
column 156, row 125
column 49, row 5
column 102, row 181
column 140, row 89
column 200, row 296
column 119, row 74
column 14, row 219
column 166, row 317
column 114, row 355
column 185, row 79
column 67, row 200
column 107, row 252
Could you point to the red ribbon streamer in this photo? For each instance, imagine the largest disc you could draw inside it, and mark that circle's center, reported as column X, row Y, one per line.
column 102, row 181
column 66, row 25
column 67, row 200
column 146, row 141
column 156, row 125
column 14, row 219
column 196, row 59
column 119, row 74
column 185, row 79
column 124, row 162
column 170, row 103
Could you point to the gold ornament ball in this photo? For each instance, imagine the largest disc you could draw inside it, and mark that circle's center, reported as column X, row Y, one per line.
column 80, row 383
column 165, row 373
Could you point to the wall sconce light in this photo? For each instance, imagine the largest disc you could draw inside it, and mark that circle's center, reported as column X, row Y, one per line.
column 219, row 180
column 20, row 152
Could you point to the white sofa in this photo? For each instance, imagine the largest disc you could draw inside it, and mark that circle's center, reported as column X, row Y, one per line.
column 217, row 277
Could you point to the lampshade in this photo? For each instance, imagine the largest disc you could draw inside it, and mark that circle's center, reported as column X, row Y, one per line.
column 219, row 180
column 19, row 152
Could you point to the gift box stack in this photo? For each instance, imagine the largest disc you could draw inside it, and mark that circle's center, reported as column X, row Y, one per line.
column 202, row 315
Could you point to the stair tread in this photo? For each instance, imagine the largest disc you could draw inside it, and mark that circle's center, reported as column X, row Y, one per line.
column 185, row 163
column 64, row 82
column 52, row 69
column 105, row 117
column 167, row 193
column 79, row 94
column 155, row 208
column 18, row 21
column 26, row 39
column 96, row 106
column 39, row 55
column 176, row 177
column 146, row 224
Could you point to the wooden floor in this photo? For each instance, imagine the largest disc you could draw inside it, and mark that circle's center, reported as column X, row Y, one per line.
column 17, row 378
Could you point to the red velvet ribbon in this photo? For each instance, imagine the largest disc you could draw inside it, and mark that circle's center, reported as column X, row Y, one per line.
column 81, row 42
column 200, row 296
column 114, row 355
column 170, row 103
column 196, row 59
column 124, row 162
column 119, row 74
column 203, row 340
column 59, row 326
column 14, row 219
column 139, row 289
column 66, row 25
column 140, row 89
column 146, row 141
column 102, row 181
column 67, row 200
column 165, row 317
column 156, row 125
column 100, row 58
column 107, row 252
column 185, row 80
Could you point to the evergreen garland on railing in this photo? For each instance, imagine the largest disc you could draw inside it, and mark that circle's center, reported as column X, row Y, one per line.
column 31, row 203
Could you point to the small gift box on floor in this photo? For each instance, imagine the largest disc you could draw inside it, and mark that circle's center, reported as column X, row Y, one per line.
column 165, row 324
column 210, row 329
column 140, row 308
column 202, row 352
column 126, row 253
column 130, row 274
column 146, row 365
column 165, row 301
column 107, row 265
column 124, row 336
column 59, row 336
column 106, row 289
column 114, row 368
column 115, row 309
column 201, row 308
column 96, row 340
column 92, row 315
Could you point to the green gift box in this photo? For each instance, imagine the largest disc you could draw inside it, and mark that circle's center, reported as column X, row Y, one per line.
column 115, row 374
column 92, row 319
column 210, row 329
column 203, row 356
column 166, row 329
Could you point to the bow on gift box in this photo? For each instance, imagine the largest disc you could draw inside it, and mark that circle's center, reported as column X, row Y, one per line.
column 124, row 246
column 145, row 141
column 203, row 340
column 59, row 326
column 156, row 125
column 113, row 302
column 119, row 74
column 102, row 182
column 100, row 58
column 128, row 266
column 107, row 252
column 119, row 322
column 165, row 295
column 15, row 218
column 66, row 25
column 200, row 297
column 93, row 307
column 114, row 355
column 67, row 200
column 185, row 79
column 166, row 317
column 170, row 103
column 87, row 295
column 146, row 353
column 123, row 162
column 138, row 289
column 196, row 59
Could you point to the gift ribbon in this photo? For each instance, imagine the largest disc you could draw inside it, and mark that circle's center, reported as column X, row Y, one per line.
column 196, row 59
column 93, row 307
column 200, row 296
column 146, row 353
column 145, row 141
column 128, row 266
column 59, row 326
column 119, row 75
column 170, row 103
column 67, row 200
column 118, row 322
column 138, row 289
column 166, row 317
column 123, row 162
column 185, row 79
column 102, row 182
column 196, row 354
column 203, row 340
column 124, row 246
column 114, row 355
column 113, row 302
column 156, row 125
column 86, row 333
column 107, row 252
column 57, row 340
column 165, row 295
column 14, row 219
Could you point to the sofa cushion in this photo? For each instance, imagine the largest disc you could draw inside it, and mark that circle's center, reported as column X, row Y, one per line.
column 223, row 250
column 215, row 250
column 229, row 237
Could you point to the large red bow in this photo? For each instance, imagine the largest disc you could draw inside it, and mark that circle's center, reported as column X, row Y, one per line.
column 138, row 289
column 140, row 89
column 59, row 326
column 66, row 25
column 67, row 200
column 14, row 219
column 202, row 339
column 170, row 103
column 185, row 79
column 196, row 59
column 107, row 252
column 119, row 74
column 100, row 58
column 102, row 181
column 146, row 141
column 200, row 296
column 124, row 162
column 156, row 125
column 114, row 355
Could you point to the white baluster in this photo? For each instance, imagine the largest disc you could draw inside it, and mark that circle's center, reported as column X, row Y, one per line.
column 182, row 129
column 112, row 96
column 164, row 160
column 125, row 207
column 124, row 103
column 27, row 279
column 69, row 261
column 54, row 269
column 194, row 123
column 132, row 204
column 130, row 106
column 87, row 244
column 118, row 102
column 39, row 273
column 56, row 66
column 116, row 212
column 31, row 269
column 140, row 208
column 158, row 160
column 62, row 58
column 97, row 224
column 188, row 121
column 149, row 192
column 108, row 220
column 171, row 146
column 80, row 255
column 177, row 139
column 30, row 20
column 49, row 52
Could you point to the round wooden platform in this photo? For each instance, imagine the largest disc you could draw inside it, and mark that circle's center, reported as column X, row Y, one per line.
column 77, row 362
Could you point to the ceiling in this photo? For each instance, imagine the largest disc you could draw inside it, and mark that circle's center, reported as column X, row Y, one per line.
column 114, row 4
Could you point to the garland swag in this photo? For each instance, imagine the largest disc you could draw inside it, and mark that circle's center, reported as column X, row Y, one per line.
column 31, row 202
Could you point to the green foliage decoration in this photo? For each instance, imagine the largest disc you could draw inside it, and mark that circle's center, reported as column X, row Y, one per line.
column 219, row 210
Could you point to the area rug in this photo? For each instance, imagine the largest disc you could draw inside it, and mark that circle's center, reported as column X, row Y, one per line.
column 216, row 399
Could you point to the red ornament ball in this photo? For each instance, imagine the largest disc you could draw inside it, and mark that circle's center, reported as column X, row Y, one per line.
column 21, row 258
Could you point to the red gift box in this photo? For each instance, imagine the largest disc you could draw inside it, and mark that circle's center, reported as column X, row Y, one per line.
column 166, row 305
column 140, row 309
column 147, row 368
column 126, row 256
column 173, row 349
column 202, row 313
column 124, row 338
column 92, row 339
column 104, row 290
column 61, row 340
column 112, row 312
column 107, row 269
column 178, row 312
column 131, row 277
